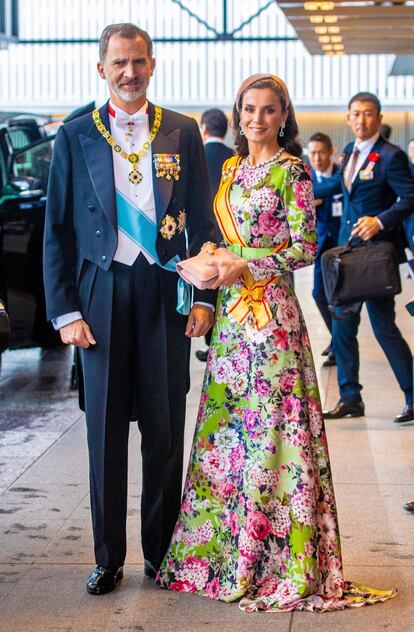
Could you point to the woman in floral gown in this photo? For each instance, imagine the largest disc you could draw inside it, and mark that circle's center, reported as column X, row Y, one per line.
column 258, row 518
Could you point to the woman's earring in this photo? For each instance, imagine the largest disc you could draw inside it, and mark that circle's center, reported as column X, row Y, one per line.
column 241, row 129
column 281, row 132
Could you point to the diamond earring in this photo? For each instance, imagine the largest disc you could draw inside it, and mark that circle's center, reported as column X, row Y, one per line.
column 241, row 129
column 281, row 132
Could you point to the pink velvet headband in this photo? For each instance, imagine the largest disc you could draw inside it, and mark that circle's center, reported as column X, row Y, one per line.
column 257, row 77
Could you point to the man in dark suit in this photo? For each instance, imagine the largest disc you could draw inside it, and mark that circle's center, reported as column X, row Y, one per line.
column 213, row 129
column 378, row 192
column 409, row 222
column 328, row 220
column 127, row 182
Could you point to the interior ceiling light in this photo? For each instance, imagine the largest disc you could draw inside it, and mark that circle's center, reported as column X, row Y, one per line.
column 316, row 19
column 338, row 46
column 324, row 39
column 336, row 39
column 327, row 47
column 330, row 19
column 321, row 30
column 315, row 6
column 334, row 29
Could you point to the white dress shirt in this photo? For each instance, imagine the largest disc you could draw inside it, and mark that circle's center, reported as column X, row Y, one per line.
column 364, row 147
column 214, row 139
column 324, row 174
column 130, row 132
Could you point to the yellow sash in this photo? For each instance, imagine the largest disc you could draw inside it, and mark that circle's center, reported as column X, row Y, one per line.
column 250, row 304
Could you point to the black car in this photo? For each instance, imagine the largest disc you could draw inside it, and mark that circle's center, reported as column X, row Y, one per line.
column 23, row 184
column 26, row 143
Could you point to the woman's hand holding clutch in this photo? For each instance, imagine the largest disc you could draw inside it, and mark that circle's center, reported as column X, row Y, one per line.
column 228, row 266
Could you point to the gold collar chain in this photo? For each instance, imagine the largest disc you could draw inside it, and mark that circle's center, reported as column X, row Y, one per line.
column 135, row 176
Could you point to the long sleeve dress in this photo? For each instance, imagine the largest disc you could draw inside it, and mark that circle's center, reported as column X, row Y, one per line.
column 258, row 520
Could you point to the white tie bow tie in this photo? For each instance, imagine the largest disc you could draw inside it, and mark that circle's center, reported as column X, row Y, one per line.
column 123, row 118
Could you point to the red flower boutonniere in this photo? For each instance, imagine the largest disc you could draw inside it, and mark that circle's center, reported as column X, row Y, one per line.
column 374, row 157
column 368, row 173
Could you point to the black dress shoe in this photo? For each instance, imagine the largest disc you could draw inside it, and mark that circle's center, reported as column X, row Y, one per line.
column 202, row 355
column 102, row 580
column 409, row 507
column 327, row 351
column 330, row 360
column 342, row 409
column 149, row 569
column 406, row 415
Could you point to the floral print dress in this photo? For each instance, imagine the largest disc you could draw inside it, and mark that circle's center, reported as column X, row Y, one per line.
column 258, row 519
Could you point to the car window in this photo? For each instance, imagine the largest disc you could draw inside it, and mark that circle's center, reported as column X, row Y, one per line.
column 3, row 170
column 4, row 153
column 20, row 137
column 35, row 162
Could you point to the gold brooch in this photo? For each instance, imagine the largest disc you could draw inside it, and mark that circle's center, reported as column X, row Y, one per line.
column 167, row 165
column 228, row 172
column 182, row 220
column 168, row 227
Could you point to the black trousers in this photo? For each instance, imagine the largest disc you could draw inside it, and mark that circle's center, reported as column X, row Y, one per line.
column 148, row 380
column 382, row 316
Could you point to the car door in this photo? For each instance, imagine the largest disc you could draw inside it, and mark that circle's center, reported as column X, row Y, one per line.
column 22, row 213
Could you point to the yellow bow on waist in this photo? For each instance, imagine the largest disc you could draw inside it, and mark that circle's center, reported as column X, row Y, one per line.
column 250, row 305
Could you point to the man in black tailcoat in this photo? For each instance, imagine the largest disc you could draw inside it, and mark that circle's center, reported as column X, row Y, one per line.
column 127, row 184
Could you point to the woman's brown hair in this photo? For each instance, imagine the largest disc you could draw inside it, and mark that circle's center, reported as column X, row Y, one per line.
column 289, row 141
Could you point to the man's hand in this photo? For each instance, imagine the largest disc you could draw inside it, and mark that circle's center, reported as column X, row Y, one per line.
column 78, row 334
column 200, row 320
column 366, row 228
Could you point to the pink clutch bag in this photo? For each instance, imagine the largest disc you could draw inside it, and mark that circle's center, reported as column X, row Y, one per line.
column 195, row 271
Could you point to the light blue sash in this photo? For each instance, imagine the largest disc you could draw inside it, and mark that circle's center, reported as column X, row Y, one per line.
column 134, row 223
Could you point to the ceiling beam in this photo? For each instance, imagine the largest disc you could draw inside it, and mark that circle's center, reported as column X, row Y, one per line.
column 357, row 11
column 352, row 24
column 368, row 27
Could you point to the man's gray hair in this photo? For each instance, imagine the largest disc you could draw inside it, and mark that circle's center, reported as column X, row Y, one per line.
column 124, row 29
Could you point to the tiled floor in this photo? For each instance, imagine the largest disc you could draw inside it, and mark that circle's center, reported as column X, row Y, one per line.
column 45, row 535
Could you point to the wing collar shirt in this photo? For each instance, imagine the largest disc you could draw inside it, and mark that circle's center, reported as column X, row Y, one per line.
column 131, row 132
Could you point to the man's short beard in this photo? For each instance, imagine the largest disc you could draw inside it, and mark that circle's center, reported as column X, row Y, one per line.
column 127, row 96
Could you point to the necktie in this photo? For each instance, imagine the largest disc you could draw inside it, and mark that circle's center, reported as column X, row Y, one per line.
column 354, row 160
